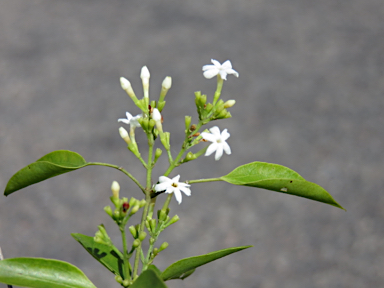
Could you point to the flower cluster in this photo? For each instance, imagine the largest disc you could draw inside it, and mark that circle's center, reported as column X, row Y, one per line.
column 216, row 110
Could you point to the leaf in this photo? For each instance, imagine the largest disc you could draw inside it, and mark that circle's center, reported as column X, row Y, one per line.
column 148, row 279
column 280, row 179
column 102, row 253
column 183, row 268
column 154, row 268
column 42, row 273
column 53, row 164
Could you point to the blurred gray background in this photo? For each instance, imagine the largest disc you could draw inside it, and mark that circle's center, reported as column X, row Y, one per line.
column 309, row 96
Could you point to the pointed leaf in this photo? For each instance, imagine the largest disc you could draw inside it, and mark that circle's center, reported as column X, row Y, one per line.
column 52, row 164
column 102, row 253
column 183, row 268
column 148, row 279
column 280, row 179
column 42, row 273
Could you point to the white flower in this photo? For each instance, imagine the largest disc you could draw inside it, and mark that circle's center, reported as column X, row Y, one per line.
column 218, row 142
column 173, row 186
column 217, row 68
column 156, row 114
column 133, row 121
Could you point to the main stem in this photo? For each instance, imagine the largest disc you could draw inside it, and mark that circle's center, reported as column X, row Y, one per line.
column 147, row 199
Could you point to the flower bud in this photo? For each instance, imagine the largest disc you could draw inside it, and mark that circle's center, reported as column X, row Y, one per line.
column 133, row 231
column 152, row 241
column 127, row 87
column 108, row 210
column 124, row 135
column 133, row 201
column 190, row 156
column 142, row 203
column 152, row 225
column 188, row 120
column 158, row 153
column 145, row 79
column 161, row 215
column 163, row 246
column 229, row 103
column 167, row 83
column 136, row 243
column 164, row 139
column 173, row 220
column 125, row 282
column 142, row 236
column 115, row 189
column 134, row 209
column 118, row 279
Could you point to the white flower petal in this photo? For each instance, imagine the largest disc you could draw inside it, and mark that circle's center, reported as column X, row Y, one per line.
column 210, row 73
column 219, row 152
column 208, row 67
column 177, row 194
column 223, row 75
column 227, row 65
column 226, row 147
column 215, row 131
column 161, row 187
column 126, row 121
column 216, row 63
column 224, row 135
column 163, row 179
column 212, row 148
column 185, row 190
column 209, row 136
column 176, row 179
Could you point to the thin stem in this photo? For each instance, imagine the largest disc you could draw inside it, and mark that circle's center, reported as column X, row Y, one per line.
column 218, row 89
column 203, row 180
column 120, row 169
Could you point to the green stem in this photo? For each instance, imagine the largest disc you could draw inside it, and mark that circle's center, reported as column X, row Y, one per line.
column 125, row 248
column 218, row 89
column 120, row 169
column 203, row 180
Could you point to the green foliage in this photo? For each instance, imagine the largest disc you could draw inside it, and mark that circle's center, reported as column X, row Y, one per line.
column 148, row 279
column 51, row 165
column 42, row 273
column 185, row 267
column 102, row 253
column 280, row 179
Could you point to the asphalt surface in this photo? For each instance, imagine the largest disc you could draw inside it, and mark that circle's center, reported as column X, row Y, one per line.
column 309, row 96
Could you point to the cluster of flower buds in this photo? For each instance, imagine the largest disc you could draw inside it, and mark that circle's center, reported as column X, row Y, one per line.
column 123, row 208
column 208, row 111
column 102, row 237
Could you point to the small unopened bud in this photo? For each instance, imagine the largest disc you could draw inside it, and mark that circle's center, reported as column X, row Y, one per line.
column 167, row 83
column 133, row 231
column 142, row 235
column 124, row 135
column 145, row 79
column 136, row 243
column 229, row 103
column 163, row 246
column 118, row 279
column 158, row 153
column 157, row 117
column 115, row 189
column 125, row 282
column 173, row 220
column 127, row 87
column 188, row 120
column 134, row 209
column 108, row 210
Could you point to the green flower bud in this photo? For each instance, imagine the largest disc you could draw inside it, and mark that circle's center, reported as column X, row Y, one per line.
column 229, row 103
column 152, row 241
column 190, row 156
column 136, row 243
column 133, row 231
column 173, row 220
column 164, row 138
column 162, row 215
column 142, row 235
column 133, row 202
column 152, row 124
column 152, row 225
column 108, row 210
column 125, row 283
column 160, row 105
column 118, row 279
column 203, row 100
column 197, row 98
column 142, row 203
column 134, row 209
column 158, row 153
column 163, row 246
column 188, row 120
column 209, row 107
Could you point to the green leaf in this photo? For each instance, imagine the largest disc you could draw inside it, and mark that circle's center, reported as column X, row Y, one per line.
column 154, row 268
column 102, row 253
column 185, row 267
column 52, row 164
column 42, row 273
column 148, row 279
column 280, row 179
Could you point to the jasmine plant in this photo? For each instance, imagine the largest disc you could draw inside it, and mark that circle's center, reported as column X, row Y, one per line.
column 135, row 266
